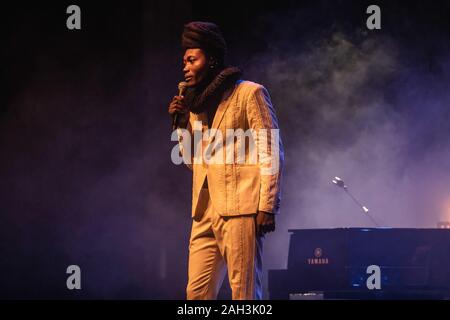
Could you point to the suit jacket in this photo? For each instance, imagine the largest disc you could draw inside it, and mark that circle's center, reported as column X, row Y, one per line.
column 244, row 186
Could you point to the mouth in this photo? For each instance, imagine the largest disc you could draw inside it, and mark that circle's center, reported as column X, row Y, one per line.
column 187, row 79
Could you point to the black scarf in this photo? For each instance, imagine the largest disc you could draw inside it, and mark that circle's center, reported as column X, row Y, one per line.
column 207, row 96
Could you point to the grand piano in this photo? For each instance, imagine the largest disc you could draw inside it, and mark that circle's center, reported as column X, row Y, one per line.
column 333, row 264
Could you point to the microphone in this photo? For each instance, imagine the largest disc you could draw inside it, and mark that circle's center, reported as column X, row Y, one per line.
column 182, row 86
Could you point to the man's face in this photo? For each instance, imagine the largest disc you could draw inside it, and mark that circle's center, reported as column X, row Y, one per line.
column 195, row 66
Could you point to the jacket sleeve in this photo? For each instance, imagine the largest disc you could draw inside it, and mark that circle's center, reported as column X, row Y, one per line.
column 185, row 141
column 262, row 119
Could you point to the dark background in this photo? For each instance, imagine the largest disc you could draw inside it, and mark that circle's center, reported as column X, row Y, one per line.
column 85, row 170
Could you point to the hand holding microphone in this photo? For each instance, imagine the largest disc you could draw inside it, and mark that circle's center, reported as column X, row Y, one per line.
column 178, row 108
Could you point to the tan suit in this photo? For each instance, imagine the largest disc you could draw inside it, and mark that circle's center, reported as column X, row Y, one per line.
column 226, row 196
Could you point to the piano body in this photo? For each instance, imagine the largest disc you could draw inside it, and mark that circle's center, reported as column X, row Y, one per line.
column 413, row 263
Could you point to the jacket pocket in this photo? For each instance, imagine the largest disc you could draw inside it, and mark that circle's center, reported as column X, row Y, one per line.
column 247, row 188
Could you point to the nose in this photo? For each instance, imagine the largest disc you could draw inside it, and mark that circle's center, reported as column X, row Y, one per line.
column 185, row 69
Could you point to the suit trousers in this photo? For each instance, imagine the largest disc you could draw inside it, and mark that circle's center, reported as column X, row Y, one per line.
column 219, row 244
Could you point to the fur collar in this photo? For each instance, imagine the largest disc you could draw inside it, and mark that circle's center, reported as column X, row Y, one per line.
column 208, row 96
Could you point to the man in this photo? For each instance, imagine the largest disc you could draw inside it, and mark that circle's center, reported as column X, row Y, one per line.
column 233, row 203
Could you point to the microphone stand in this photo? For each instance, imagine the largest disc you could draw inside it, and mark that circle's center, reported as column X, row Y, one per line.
column 340, row 183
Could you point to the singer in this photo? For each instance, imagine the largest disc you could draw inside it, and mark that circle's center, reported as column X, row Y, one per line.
column 233, row 205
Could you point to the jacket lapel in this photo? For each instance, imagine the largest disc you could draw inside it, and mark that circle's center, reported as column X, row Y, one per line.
column 220, row 112
column 222, row 108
